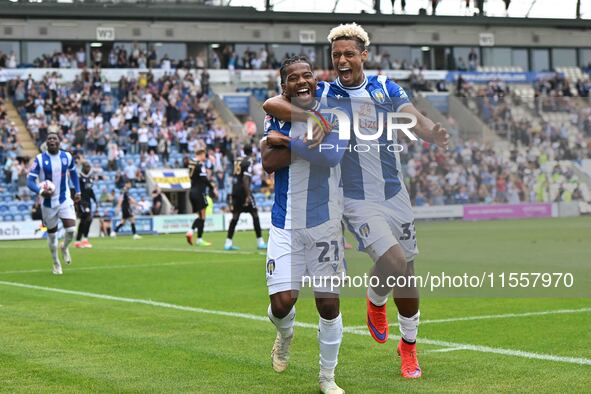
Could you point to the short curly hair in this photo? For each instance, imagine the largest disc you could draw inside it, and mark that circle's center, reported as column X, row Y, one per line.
column 350, row 31
column 292, row 60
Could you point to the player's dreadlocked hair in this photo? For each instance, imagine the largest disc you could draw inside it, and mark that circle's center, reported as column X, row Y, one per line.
column 292, row 60
column 350, row 31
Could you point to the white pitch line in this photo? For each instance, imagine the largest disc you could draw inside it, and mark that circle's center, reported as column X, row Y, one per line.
column 444, row 344
column 107, row 267
column 500, row 316
column 188, row 249
column 444, row 350
column 194, row 250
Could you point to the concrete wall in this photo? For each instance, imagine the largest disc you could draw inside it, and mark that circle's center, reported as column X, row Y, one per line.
column 173, row 31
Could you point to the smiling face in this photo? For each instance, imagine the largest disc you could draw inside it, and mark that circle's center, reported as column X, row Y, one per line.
column 53, row 143
column 299, row 84
column 347, row 59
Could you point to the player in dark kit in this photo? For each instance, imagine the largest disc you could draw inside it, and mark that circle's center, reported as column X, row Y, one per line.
column 124, row 205
column 242, row 200
column 200, row 184
column 84, row 207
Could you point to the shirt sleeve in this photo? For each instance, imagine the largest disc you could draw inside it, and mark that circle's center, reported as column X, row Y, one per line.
column 35, row 168
column 270, row 124
column 397, row 95
column 74, row 174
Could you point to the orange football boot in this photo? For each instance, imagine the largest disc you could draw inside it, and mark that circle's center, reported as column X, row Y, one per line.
column 377, row 322
column 410, row 368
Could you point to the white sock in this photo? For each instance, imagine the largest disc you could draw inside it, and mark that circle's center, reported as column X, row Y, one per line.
column 228, row 242
column 285, row 325
column 330, row 335
column 409, row 327
column 375, row 298
column 69, row 236
column 52, row 242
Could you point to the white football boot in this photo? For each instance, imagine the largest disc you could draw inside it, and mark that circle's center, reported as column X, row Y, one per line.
column 328, row 386
column 57, row 269
column 280, row 352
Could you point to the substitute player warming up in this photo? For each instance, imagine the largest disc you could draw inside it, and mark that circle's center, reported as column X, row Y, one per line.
column 84, row 207
column 242, row 200
column 54, row 166
column 200, row 183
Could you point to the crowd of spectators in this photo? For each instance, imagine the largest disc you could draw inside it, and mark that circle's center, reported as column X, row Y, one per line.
column 475, row 173
column 536, row 166
column 128, row 126
column 14, row 167
column 122, row 130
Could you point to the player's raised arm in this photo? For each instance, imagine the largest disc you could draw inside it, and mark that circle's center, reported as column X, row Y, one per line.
column 425, row 128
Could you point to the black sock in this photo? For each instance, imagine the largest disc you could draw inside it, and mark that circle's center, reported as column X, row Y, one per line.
column 257, row 226
column 118, row 227
column 133, row 228
column 232, row 226
column 200, row 225
column 87, row 228
column 194, row 225
column 80, row 231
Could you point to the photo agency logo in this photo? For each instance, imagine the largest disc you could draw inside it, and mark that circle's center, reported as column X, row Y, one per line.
column 371, row 129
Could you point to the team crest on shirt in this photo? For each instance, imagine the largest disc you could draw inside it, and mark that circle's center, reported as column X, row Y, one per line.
column 270, row 266
column 64, row 161
column 364, row 230
column 379, row 96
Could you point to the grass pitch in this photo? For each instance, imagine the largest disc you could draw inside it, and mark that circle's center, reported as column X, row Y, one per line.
column 156, row 315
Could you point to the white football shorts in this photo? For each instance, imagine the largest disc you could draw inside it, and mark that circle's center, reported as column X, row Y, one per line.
column 379, row 225
column 51, row 216
column 316, row 252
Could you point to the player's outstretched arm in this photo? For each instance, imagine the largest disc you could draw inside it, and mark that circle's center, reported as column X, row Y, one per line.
column 274, row 157
column 280, row 107
column 426, row 129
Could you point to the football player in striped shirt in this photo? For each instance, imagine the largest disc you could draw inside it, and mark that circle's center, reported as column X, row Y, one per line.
column 377, row 206
column 305, row 238
column 56, row 166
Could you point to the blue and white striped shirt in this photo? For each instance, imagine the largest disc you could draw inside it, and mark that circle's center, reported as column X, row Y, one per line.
column 306, row 194
column 372, row 175
column 55, row 168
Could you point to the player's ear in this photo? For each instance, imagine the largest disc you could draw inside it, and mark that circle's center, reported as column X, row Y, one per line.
column 283, row 89
column 364, row 55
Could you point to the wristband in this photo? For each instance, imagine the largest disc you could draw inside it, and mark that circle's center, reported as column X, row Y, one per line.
column 319, row 119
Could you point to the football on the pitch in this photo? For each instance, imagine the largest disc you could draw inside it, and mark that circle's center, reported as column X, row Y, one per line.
column 47, row 187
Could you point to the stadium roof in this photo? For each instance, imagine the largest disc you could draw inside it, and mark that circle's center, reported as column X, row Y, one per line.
column 185, row 12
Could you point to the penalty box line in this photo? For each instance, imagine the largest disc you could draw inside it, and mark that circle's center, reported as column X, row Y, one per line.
column 350, row 330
